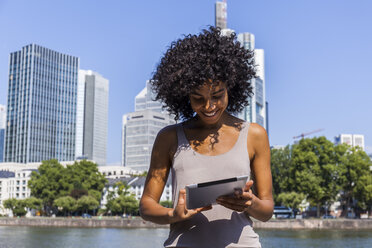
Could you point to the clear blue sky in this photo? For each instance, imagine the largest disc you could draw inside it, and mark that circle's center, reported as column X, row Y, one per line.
column 318, row 53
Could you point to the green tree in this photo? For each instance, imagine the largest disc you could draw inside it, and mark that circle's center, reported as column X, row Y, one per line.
column 18, row 207
column 314, row 171
column 128, row 204
column 355, row 177
column 34, row 203
column 291, row 199
column 122, row 188
column 49, row 182
column 84, row 175
column 280, row 166
column 66, row 204
column 363, row 192
column 121, row 201
column 53, row 181
column 86, row 203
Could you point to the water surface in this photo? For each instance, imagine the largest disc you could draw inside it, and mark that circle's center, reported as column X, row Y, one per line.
column 43, row 237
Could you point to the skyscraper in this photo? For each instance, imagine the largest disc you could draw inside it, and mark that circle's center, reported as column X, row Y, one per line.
column 2, row 131
column 139, row 129
column 257, row 110
column 92, row 116
column 2, row 116
column 145, row 100
column 139, row 132
column 221, row 15
column 41, row 107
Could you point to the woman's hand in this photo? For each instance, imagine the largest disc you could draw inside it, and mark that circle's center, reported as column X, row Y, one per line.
column 241, row 201
column 180, row 212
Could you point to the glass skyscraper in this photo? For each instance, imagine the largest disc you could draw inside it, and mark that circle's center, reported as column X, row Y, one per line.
column 2, row 133
column 2, row 130
column 257, row 110
column 41, row 107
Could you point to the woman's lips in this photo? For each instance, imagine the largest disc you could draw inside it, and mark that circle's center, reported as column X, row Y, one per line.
column 210, row 114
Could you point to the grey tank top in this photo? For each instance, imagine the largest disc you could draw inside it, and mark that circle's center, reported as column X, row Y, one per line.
column 220, row 226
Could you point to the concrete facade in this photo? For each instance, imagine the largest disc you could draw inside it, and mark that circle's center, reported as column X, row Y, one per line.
column 92, row 117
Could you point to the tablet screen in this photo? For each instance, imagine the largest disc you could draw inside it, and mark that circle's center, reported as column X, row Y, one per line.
column 206, row 193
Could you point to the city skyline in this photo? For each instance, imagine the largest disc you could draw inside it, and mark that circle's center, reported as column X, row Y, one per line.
column 317, row 55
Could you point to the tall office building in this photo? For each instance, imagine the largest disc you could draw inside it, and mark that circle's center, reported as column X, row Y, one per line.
column 139, row 132
column 354, row 140
column 2, row 131
column 2, row 116
column 41, row 107
column 145, row 100
column 92, row 117
column 221, row 15
column 257, row 110
column 139, row 129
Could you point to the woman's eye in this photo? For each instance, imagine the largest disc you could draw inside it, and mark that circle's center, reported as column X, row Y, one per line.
column 217, row 96
column 197, row 98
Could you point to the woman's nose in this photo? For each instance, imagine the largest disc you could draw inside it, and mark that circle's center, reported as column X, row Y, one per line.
column 210, row 105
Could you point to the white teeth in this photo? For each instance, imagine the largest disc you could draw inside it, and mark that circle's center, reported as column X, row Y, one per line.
column 210, row 114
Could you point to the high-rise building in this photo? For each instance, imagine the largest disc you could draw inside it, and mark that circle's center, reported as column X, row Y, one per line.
column 139, row 129
column 2, row 135
column 2, row 116
column 257, row 110
column 145, row 100
column 92, row 116
column 354, row 140
column 221, row 15
column 2, row 130
column 138, row 135
column 41, row 107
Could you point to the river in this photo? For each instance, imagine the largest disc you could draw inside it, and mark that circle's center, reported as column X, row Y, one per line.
column 42, row 237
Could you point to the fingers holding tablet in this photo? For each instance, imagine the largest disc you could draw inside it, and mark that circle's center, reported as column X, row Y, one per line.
column 180, row 212
column 240, row 201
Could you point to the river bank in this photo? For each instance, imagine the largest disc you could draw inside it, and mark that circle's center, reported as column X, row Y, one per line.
column 282, row 224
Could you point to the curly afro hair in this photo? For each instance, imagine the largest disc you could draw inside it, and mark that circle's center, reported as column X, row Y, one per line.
column 196, row 59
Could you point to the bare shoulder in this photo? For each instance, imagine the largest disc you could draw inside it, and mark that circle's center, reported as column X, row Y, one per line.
column 256, row 131
column 167, row 139
column 257, row 140
column 168, row 133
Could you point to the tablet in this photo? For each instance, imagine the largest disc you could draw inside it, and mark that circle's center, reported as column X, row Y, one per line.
column 204, row 194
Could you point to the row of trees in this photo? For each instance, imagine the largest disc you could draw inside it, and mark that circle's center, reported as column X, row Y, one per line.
column 73, row 189
column 321, row 173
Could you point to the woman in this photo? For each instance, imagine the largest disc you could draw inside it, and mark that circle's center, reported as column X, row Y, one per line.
column 203, row 79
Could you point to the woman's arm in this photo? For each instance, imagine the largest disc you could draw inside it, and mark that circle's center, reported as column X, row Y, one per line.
column 259, row 206
column 157, row 176
column 161, row 159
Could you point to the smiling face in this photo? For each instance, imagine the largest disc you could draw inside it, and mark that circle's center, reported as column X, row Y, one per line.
column 209, row 102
